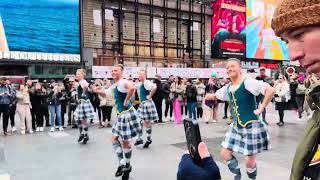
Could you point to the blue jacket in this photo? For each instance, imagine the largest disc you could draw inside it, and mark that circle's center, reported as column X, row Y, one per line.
column 6, row 99
column 189, row 171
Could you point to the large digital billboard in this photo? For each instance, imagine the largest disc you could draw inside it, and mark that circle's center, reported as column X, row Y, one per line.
column 40, row 30
column 228, row 28
column 261, row 40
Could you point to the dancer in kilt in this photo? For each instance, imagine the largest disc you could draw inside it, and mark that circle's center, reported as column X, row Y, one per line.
column 147, row 110
column 247, row 134
column 128, row 124
column 84, row 110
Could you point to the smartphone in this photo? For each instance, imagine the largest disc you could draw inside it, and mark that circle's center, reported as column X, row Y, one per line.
column 193, row 137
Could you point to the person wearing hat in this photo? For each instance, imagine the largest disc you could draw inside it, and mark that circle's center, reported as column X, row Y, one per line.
column 5, row 100
column 297, row 22
column 247, row 135
column 210, row 107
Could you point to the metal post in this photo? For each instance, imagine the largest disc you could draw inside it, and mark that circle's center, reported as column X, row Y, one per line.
column 151, row 29
column 136, row 28
column 120, row 29
column 178, row 31
column 104, row 36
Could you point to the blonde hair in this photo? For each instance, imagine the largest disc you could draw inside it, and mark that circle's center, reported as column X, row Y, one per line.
column 83, row 71
column 120, row 66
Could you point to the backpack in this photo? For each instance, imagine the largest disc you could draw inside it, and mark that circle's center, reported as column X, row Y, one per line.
column 301, row 89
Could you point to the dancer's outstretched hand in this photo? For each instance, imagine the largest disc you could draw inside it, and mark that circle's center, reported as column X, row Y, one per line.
column 258, row 111
column 208, row 170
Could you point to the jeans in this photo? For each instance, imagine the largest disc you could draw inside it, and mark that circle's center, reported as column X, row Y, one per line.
column 4, row 109
column 300, row 103
column 55, row 110
column 192, row 109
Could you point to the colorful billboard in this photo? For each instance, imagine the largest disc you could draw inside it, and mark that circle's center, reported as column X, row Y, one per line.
column 228, row 28
column 40, row 30
column 261, row 40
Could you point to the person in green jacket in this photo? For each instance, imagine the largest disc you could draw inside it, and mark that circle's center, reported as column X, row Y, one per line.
column 297, row 22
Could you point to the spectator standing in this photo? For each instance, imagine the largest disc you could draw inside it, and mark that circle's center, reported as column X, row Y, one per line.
column 200, row 94
column 24, row 109
column 31, row 90
column 158, row 96
column 300, row 95
column 282, row 90
column 5, row 100
column 211, row 106
column 12, row 106
column 73, row 102
column 191, row 95
column 263, row 77
column 54, row 106
column 168, row 96
column 40, row 106
column 63, row 101
column 177, row 89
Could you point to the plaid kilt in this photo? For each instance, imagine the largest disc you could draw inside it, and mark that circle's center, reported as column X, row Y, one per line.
column 128, row 125
column 84, row 110
column 147, row 111
column 250, row 140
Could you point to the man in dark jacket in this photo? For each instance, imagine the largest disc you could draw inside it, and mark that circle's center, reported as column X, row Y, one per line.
column 168, row 100
column 263, row 77
column 5, row 100
column 158, row 96
column 191, row 93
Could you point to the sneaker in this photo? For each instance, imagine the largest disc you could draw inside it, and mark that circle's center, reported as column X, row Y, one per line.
column 138, row 142
column 5, row 133
column 119, row 171
column 23, row 132
column 214, row 121
column 309, row 116
column 52, row 129
column 61, row 128
column 14, row 129
column 109, row 125
column 85, row 139
column 225, row 117
column 41, row 129
column 57, row 127
column 31, row 132
column 147, row 144
column 81, row 137
column 37, row 129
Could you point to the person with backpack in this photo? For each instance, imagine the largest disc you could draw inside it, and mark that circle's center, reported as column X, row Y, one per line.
column 191, row 93
column 300, row 95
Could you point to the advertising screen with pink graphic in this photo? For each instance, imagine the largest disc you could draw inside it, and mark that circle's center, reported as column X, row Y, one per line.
column 261, row 40
column 228, row 28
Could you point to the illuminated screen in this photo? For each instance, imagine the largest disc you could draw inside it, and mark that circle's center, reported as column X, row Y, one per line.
column 40, row 30
column 228, row 28
column 261, row 40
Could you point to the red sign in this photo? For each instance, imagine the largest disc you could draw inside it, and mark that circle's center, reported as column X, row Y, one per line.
column 269, row 65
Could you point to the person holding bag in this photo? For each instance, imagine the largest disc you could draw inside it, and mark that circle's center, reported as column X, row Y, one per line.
column 282, row 89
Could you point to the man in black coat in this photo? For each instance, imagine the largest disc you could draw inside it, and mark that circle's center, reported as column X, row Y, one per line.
column 158, row 96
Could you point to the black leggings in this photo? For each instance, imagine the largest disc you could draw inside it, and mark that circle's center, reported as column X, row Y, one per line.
column 106, row 113
column 280, row 107
column 168, row 106
column 199, row 112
